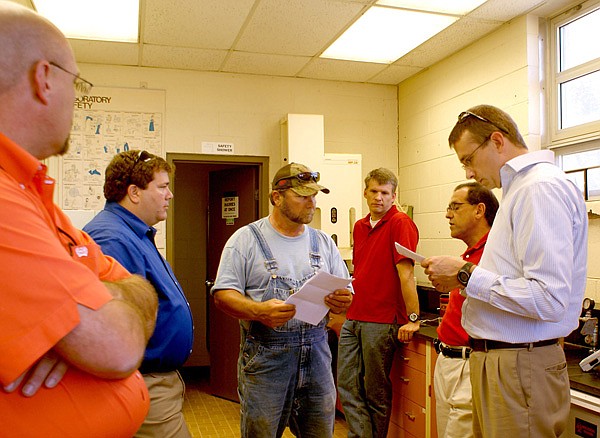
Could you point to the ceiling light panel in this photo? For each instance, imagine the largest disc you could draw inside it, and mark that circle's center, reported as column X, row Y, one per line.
column 383, row 35
column 104, row 20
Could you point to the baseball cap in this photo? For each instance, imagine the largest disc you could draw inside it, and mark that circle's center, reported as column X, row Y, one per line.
column 298, row 178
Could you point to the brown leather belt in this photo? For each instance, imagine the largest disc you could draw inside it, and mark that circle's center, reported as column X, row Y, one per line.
column 485, row 345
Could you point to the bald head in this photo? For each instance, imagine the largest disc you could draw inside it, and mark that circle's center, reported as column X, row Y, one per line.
column 33, row 90
column 25, row 38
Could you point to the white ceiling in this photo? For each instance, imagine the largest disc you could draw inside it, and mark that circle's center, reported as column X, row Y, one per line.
column 282, row 37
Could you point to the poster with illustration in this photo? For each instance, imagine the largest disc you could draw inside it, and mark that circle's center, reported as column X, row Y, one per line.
column 105, row 123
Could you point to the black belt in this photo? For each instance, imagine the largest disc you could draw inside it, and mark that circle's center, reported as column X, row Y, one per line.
column 452, row 352
column 485, row 345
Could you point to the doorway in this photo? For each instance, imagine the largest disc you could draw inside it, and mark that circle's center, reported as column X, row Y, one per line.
column 196, row 234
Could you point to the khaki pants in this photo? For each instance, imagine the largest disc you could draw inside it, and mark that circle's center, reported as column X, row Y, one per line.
column 520, row 393
column 452, row 385
column 165, row 418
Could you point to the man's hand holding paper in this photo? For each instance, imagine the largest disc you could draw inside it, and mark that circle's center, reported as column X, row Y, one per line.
column 315, row 297
column 339, row 300
column 442, row 271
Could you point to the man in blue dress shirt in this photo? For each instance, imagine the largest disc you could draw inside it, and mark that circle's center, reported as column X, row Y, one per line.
column 137, row 192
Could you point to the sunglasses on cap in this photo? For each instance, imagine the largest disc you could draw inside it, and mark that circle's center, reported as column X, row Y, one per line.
column 302, row 176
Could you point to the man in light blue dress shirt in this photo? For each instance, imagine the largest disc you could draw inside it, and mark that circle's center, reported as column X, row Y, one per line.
column 528, row 288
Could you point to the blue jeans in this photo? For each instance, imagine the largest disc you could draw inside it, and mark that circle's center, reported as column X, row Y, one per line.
column 365, row 356
column 285, row 378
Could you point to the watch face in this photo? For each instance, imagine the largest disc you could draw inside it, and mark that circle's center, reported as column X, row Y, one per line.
column 463, row 277
column 413, row 317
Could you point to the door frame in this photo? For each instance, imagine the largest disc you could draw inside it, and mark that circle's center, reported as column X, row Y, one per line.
column 238, row 160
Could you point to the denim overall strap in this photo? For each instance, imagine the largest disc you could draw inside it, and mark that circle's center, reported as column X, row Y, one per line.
column 284, row 373
column 315, row 257
column 270, row 262
column 281, row 287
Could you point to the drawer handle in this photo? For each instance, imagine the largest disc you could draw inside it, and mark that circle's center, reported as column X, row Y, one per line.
column 405, row 379
column 404, row 358
column 410, row 416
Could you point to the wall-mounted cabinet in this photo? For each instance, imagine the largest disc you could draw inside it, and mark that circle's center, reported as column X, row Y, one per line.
column 303, row 141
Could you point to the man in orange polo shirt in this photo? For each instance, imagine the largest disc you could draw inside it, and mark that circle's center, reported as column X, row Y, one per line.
column 63, row 301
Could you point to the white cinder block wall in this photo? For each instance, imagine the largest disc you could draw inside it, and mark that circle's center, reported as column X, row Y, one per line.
column 246, row 110
column 408, row 125
column 502, row 70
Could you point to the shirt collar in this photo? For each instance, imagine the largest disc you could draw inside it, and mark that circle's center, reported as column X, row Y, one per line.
column 477, row 246
column 19, row 163
column 139, row 227
column 393, row 210
column 521, row 162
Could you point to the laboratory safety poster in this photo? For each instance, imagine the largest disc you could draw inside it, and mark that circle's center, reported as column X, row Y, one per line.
column 105, row 123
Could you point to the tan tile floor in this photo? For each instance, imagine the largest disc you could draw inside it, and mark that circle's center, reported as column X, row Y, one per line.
column 209, row 416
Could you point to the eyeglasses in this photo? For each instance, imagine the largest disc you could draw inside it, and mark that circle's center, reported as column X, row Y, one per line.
column 466, row 161
column 454, row 206
column 81, row 85
column 302, row 176
column 466, row 114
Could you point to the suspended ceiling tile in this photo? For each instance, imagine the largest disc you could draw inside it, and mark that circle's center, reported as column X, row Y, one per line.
column 182, row 58
column 296, row 27
column 105, row 52
column 337, row 70
column 259, row 63
column 454, row 38
column 26, row 3
column 211, row 24
column 504, row 10
column 394, row 74
column 275, row 37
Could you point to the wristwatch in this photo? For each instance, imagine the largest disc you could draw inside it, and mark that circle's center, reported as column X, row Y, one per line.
column 413, row 317
column 464, row 273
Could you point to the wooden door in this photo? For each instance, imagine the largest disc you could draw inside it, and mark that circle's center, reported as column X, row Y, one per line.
column 239, row 183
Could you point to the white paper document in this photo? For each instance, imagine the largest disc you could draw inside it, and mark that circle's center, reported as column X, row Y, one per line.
column 408, row 253
column 309, row 300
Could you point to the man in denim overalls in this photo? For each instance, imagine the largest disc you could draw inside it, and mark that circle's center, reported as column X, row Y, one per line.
column 284, row 367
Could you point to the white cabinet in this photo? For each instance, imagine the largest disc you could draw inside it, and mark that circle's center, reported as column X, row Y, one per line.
column 303, row 141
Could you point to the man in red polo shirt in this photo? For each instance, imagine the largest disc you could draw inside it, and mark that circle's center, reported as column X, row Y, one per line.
column 385, row 307
column 471, row 212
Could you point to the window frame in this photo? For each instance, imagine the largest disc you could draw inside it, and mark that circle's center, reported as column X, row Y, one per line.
column 579, row 133
column 584, row 146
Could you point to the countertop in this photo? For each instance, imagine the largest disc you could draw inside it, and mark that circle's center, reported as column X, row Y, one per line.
column 587, row 382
